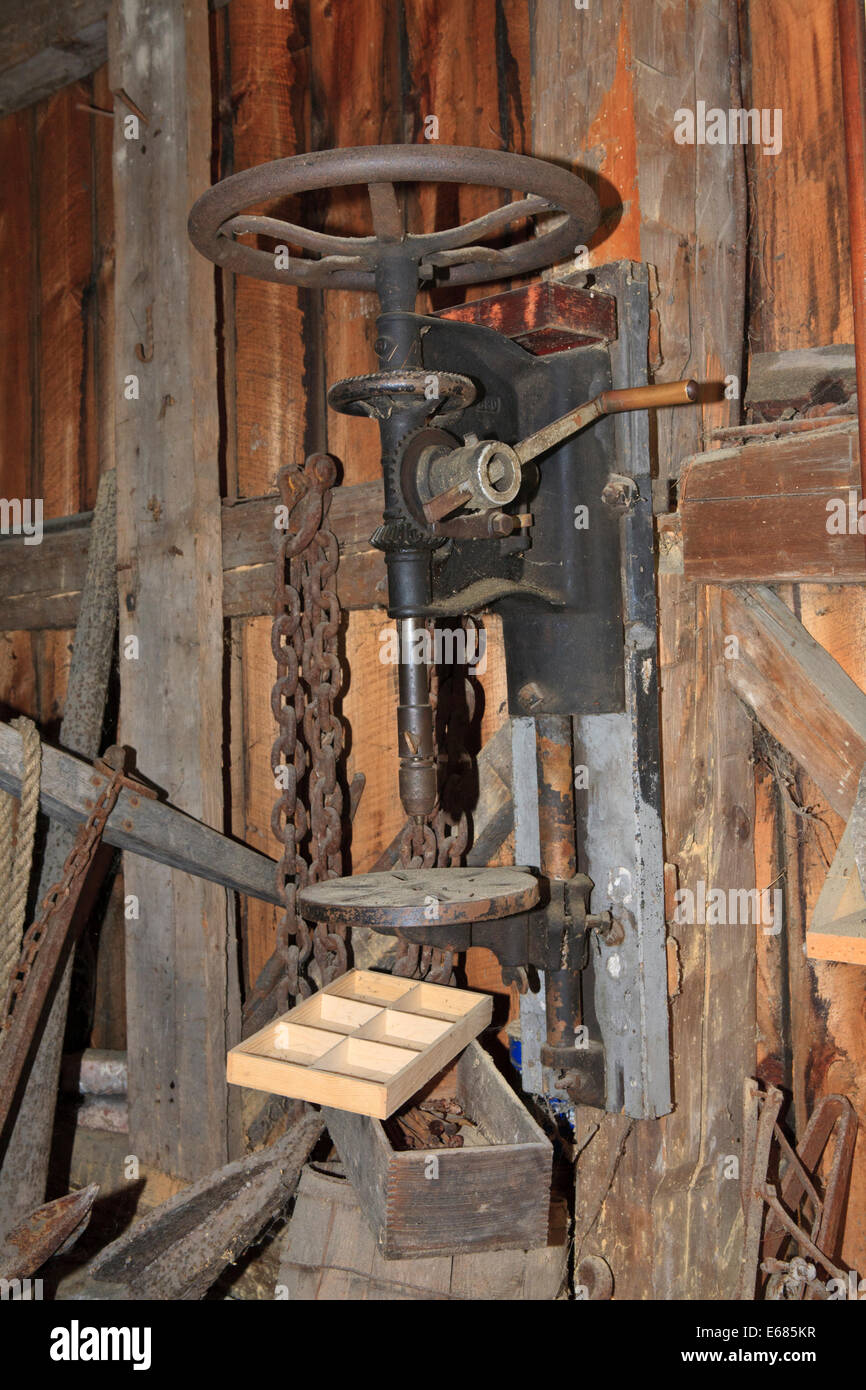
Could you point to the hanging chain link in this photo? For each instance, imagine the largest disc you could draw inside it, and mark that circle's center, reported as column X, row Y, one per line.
column 442, row 841
column 305, row 754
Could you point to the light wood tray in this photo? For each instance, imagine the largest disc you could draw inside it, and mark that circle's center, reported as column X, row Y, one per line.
column 365, row 1043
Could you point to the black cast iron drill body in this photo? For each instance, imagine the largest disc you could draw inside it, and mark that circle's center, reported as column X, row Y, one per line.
column 398, row 347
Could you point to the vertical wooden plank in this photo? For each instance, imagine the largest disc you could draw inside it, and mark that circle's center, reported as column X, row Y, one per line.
column 276, row 347
column 697, row 244
column 18, row 374
column 259, row 730
column 67, row 452
column 17, row 676
column 356, row 101
column 102, row 280
column 608, row 81
column 109, row 984
column 452, row 48
column 583, row 112
column 451, row 74
column 66, row 460
column 514, row 64
column 800, row 296
column 696, row 1209
column 17, row 287
column 827, row 1024
column 271, row 370
column 773, row 1061
column 800, row 290
column 182, row 1009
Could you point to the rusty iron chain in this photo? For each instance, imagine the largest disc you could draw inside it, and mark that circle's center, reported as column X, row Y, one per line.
column 308, row 814
column 74, row 870
column 307, row 817
column 443, row 840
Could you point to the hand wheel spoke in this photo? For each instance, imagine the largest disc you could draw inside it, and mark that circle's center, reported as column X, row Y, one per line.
column 388, row 221
column 293, row 235
column 494, row 221
column 466, row 255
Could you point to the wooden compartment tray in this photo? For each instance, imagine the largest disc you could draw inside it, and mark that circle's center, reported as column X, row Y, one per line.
column 365, row 1043
column 494, row 1196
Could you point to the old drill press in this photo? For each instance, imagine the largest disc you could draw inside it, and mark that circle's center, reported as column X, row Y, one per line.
column 498, row 495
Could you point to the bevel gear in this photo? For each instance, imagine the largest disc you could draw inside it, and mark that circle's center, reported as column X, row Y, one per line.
column 410, row 527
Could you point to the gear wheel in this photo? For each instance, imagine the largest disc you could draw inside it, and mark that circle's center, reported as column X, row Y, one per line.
column 403, row 535
column 409, row 528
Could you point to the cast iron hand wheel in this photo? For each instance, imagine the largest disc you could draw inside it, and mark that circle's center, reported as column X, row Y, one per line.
column 351, row 263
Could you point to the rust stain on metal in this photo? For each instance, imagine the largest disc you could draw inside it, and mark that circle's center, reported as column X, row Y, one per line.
column 45, row 1232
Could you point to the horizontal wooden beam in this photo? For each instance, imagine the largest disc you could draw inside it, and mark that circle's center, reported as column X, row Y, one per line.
column 802, row 377
column 40, row 585
column 248, row 554
column 758, row 512
column 549, row 317
column 153, row 829
column 46, row 45
column 797, row 691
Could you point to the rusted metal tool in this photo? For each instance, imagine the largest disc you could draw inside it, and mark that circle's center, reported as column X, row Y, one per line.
column 368, row 263
column 50, row 1230
column 486, row 475
column 48, row 941
column 833, row 1118
column 799, row 1195
column 435, row 1124
column 401, row 395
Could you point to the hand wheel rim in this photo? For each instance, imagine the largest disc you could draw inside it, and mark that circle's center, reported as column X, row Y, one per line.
column 386, row 164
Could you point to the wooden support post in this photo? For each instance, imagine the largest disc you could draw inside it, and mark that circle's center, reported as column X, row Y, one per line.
column 182, row 997
column 653, row 1199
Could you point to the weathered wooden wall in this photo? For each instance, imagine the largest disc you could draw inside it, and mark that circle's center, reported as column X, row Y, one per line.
column 812, row 1028
column 56, row 235
column 608, row 83
column 596, row 88
column 56, row 371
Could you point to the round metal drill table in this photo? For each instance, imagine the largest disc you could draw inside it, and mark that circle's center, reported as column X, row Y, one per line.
column 419, row 897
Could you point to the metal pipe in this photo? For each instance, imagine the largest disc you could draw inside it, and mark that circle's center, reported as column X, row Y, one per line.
column 99, row 1078
column 852, row 57
column 95, row 1072
column 417, row 775
column 556, row 828
column 556, row 796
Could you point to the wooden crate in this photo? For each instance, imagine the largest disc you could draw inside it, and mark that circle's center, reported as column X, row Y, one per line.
column 445, row 1201
column 365, row 1043
column 329, row 1253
